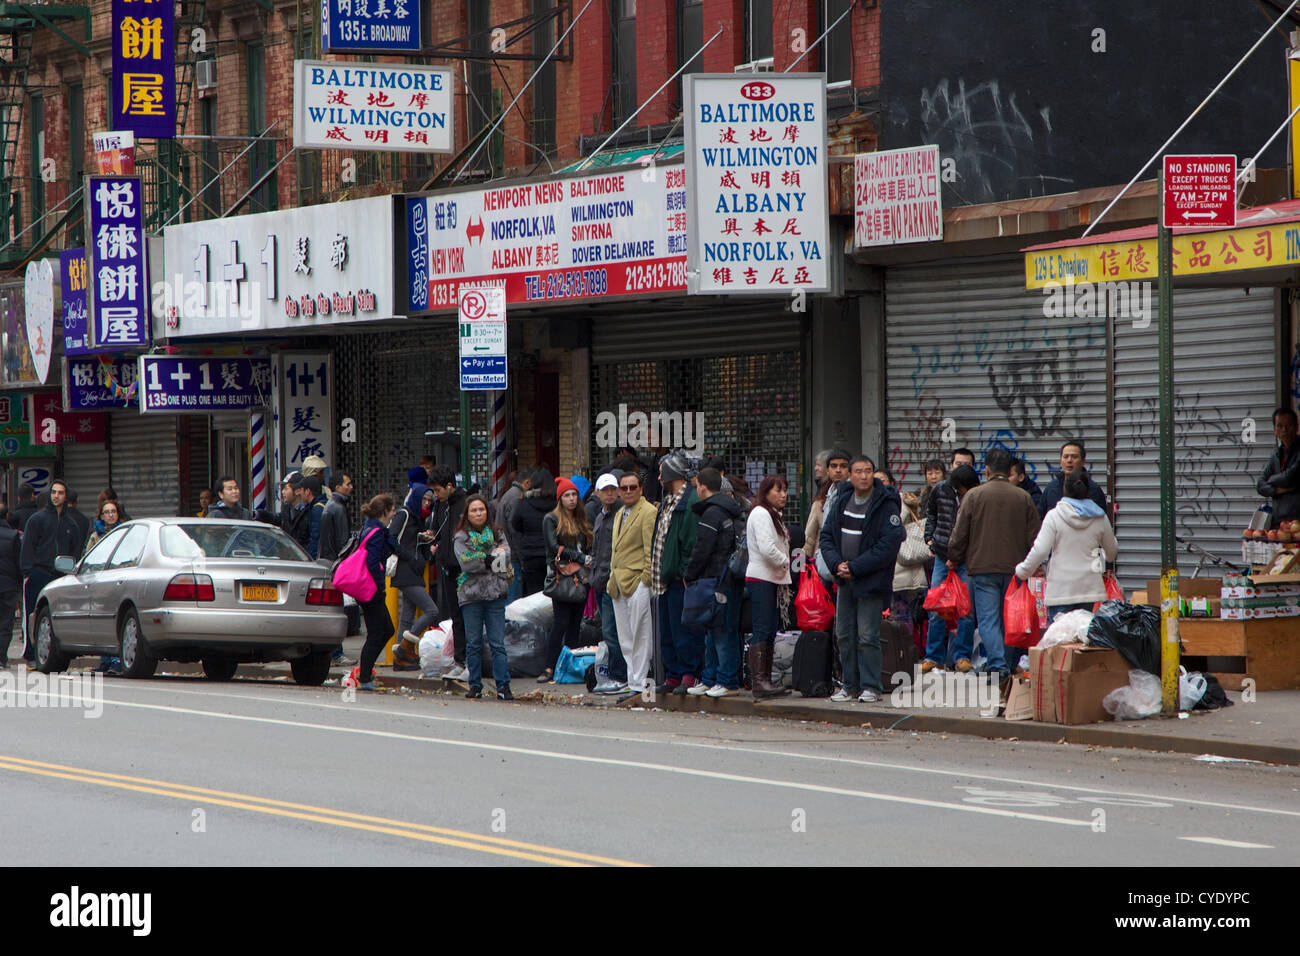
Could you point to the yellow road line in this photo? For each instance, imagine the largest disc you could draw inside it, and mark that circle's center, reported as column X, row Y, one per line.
column 415, row 831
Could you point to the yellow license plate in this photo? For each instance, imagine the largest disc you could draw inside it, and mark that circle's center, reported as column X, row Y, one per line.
column 260, row 592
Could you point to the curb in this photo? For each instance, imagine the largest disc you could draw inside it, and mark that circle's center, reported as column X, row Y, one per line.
column 1091, row 735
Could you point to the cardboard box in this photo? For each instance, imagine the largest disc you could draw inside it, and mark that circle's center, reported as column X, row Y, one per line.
column 1020, row 701
column 1263, row 589
column 1068, row 682
column 1187, row 587
column 1258, row 613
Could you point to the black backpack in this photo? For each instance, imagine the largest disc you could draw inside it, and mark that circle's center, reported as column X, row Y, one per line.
column 812, row 664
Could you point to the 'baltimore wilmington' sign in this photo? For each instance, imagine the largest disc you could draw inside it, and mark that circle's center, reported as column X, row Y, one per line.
column 372, row 106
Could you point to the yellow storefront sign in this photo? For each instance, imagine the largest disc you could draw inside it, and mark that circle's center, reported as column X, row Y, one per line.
column 1205, row 253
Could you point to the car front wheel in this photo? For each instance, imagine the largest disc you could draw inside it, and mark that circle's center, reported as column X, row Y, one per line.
column 136, row 659
column 312, row 670
column 49, row 658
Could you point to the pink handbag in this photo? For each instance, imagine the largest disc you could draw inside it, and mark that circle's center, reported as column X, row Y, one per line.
column 353, row 577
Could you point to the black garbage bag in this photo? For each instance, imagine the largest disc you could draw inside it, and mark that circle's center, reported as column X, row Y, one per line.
column 525, row 649
column 1214, row 697
column 589, row 633
column 1131, row 629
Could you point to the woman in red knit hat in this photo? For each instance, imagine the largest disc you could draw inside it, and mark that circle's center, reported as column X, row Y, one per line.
column 568, row 544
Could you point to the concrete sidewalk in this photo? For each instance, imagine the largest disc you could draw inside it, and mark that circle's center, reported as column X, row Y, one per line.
column 1266, row 729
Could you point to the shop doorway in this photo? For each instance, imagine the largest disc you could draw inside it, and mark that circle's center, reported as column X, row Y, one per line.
column 546, row 419
column 232, row 459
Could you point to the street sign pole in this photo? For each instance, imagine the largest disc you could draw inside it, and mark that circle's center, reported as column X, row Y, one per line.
column 464, row 438
column 1168, row 552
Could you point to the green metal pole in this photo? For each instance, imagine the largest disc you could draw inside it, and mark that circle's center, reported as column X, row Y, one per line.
column 1168, row 552
column 464, row 438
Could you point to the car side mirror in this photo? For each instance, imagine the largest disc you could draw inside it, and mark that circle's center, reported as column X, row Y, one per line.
column 65, row 564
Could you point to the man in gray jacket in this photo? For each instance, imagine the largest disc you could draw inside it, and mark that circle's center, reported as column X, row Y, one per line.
column 334, row 526
column 505, row 508
column 602, row 551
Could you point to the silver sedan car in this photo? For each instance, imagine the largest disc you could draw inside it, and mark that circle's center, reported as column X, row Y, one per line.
column 192, row 589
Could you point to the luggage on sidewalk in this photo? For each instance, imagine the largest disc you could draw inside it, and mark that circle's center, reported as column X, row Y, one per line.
column 812, row 664
column 897, row 651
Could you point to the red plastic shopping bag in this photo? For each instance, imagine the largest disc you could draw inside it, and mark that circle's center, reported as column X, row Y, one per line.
column 950, row 600
column 1020, row 616
column 1113, row 591
column 813, row 610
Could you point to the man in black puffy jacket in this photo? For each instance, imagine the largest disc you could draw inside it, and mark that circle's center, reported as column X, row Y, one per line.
column 447, row 511
column 50, row 533
column 720, row 520
column 526, row 528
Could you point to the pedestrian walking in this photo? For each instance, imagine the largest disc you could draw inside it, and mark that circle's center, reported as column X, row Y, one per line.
column 568, row 548
column 996, row 526
column 334, row 524
column 910, row 579
column 681, row 646
column 313, row 511
column 11, row 579
column 837, row 470
column 941, row 515
column 1076, row 540
column 506, row 506
column 767, row 579
column 483, row 553
column 602, row 551
column 26, row 507
column 1074, row 458
column 109, row 517
column 860, row 541
column 407, row 530
column 718, row 515
column 1021, row 479
column 448, row 507
column 378, row 512
column 1279, row 483
column 629, row 578
column 526, row 527
column 935, row 472
column 108, row 494
column 206, row 499
column 49, row 534
column 227, row 507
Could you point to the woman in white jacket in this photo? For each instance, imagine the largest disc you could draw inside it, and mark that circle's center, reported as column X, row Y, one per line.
column 767, row 578
column 1077, row 536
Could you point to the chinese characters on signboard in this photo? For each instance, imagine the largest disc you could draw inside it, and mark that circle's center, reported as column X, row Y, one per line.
column 372, row 106
column 117, row 260
column 307, row 412
column 144, row 68
column 15, row 435
column 756, row 178
column 896, row 197
column 184, row 384
column 51, row 425
column 391, row 26
column 611, row 234
column 95, row 383
column 72, row 279
column 275, row 270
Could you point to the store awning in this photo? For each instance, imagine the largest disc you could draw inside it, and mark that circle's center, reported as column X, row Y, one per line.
column 1265, row 237
column 626, row 157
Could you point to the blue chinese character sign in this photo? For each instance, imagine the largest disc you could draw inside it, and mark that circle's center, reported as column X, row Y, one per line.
column 378, row 26
column 144, row 68
column 117, row 264
column 186, row 384
column 96, row 382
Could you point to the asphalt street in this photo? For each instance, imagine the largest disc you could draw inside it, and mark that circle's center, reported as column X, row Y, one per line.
column 181, row 771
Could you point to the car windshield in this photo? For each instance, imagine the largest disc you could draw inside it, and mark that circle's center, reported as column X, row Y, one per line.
column 210, row 539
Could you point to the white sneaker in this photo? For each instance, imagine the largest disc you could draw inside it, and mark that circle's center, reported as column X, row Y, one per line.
column 457, row 673
column 717, row 690
column 868, row 697
column 841, row 696
column 413, row 638
column 698, row 690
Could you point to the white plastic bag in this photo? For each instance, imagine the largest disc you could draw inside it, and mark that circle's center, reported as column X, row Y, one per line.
column 534, row 609
column 431, row 652
column 1068, row 628
column 1191, row 688
column 1141, row 698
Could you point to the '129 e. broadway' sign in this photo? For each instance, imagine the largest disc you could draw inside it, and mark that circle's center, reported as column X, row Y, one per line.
column 756, row 171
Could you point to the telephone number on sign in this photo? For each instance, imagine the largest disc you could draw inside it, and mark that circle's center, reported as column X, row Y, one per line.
column 566, row 285
column 654, row 276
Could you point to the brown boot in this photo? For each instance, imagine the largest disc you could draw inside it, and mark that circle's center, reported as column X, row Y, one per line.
column 406, row 656
column 760, row 672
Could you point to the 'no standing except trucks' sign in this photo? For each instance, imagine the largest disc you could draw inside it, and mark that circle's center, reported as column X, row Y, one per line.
column 1200, row 191
column 482, row 338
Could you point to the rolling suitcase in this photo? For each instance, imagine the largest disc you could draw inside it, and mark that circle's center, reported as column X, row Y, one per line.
column 811, row 668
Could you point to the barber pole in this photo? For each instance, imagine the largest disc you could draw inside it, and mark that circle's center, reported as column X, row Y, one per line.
column 257, row 457
column 498, row 438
